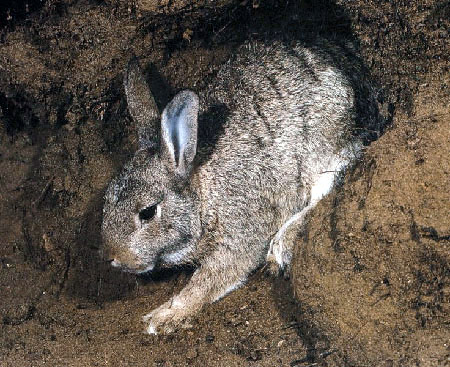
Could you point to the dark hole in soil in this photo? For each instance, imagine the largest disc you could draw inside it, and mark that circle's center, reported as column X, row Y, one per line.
column 13, row 11
column 17, row 113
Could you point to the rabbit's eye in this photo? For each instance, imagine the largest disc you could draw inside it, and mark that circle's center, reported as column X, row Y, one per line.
column 148, row 213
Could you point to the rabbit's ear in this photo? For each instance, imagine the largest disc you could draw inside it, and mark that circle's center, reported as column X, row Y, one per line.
column 141, row 104
column 179, row 132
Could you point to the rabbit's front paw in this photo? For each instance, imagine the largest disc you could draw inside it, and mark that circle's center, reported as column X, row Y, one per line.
column 167, row 318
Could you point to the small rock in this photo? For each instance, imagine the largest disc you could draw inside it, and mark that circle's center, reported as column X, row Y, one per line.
column 187, row 34
column 191, row 354
column 209, row 338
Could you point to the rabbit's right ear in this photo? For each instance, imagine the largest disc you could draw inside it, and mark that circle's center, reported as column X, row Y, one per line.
column 179, row 133
column 141, row 104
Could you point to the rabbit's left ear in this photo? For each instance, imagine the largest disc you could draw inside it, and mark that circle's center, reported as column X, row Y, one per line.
column 141, row 104
column 179, row 132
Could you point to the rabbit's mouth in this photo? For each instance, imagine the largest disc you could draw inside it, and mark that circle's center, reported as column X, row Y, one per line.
column 148, row 269
column 135, row 270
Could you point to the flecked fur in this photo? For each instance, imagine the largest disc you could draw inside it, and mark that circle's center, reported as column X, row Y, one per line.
column 231, row 171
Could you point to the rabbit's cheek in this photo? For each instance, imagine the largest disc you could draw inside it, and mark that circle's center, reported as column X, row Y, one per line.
column 177, row 257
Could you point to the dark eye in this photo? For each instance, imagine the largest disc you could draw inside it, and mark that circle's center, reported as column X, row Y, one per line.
column 148, row 213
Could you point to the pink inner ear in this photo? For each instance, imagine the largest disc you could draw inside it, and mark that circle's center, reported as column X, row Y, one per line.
column 179, row 129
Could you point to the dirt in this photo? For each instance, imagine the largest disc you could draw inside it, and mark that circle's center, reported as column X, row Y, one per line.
column 370, row 278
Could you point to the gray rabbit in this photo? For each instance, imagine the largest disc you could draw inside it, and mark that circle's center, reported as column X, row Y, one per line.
column 227, row 205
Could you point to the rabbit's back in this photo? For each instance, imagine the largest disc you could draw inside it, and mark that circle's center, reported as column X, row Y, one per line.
column 289, row 116
column 289, row 110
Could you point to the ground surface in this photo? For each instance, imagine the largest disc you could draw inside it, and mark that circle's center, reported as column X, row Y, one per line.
column 370, row 282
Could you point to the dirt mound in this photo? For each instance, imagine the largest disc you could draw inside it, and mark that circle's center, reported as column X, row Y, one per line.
column 380, row 242
column 371, row 273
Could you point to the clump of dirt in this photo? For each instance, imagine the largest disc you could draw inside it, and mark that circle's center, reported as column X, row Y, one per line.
column 378, row 242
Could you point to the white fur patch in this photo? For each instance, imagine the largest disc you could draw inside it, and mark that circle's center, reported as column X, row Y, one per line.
column 276, row 244
column 147, row 269
column 177, row 304
column 322, row 186
column 158, row 211
column 177, row 256
column 324, row 181
column 230, row 289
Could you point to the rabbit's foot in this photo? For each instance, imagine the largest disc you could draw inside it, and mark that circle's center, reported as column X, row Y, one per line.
column 281, row 245
column 167, row 318
column 277, row 257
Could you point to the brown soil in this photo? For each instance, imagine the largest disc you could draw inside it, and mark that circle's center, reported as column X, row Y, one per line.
column 371, row 272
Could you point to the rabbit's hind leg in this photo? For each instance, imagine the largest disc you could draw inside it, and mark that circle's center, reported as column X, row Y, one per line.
column 282, row 244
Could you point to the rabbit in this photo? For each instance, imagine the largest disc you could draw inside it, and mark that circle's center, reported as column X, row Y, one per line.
column 286, row 115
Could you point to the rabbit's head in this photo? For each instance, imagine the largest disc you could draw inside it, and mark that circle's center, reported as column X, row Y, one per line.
column 150, row 215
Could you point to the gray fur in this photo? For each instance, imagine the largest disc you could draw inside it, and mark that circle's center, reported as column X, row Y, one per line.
column 141, row 104
column 289, row 129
